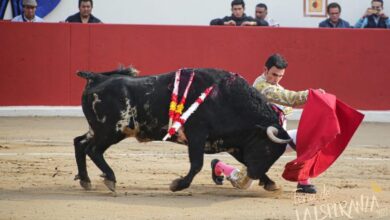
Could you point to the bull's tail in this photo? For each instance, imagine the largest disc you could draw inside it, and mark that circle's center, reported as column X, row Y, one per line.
column 87, row 75
column 130, row 71
column 92, row 78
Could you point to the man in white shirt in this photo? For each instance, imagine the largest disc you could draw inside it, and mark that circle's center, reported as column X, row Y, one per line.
column 28, row 15
column 262, row 12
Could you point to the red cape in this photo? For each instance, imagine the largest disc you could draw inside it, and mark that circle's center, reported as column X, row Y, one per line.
column 325, row 128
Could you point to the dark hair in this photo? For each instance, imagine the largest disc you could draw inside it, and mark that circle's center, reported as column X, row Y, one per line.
column 85, row 1
column 262, row 5
column 276, row 60
column 333, row 5
column 238, row 2
column 381, row 1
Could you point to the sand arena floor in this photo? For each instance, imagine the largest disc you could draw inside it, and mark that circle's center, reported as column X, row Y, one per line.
column 37, row 167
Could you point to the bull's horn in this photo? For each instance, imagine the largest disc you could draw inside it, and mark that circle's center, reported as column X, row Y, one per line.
column 272, row 132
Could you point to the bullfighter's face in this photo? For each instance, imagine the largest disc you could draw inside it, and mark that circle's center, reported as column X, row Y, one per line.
column 238, row 11
column 273, row 75
column 85, row 9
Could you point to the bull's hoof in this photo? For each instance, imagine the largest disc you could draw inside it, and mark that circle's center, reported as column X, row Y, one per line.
column 261, row 183
column 86, row 185
column 271, row 186
column 110, row 184
column 178, row 184
column 85, row 182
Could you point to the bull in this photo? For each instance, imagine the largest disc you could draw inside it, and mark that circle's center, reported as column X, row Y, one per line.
column 234, row 118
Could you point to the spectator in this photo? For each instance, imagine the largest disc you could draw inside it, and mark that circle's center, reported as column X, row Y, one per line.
column 28, row 15
column 374, row 17
column 238, row 17
column 85, row 13
column 334, row 20
column 262, row 14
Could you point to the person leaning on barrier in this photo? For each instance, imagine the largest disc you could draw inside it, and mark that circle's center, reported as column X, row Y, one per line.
column 85, row 13
column 334, row 20
column 28, row 15
column 374, row 17
column 261, row 13
column 238, row 17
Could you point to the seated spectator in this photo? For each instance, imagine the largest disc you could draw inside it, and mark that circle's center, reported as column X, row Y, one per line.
column 334, row 20
column 374, row 17
column 262, row 14
column 238, row 17
column 28, row 15
column 85, row 13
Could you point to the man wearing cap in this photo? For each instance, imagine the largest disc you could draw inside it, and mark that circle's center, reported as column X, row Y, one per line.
column 28, row 15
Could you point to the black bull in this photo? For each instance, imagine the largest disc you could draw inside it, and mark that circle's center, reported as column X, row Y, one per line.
column 234, row 118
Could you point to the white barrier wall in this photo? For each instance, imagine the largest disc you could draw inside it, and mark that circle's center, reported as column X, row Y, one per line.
column 289, row 13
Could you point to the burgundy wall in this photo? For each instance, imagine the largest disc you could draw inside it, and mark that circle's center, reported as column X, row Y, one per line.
column 38, row 61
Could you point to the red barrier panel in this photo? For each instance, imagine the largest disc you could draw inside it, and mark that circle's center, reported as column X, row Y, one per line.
column 34, row 66
column 39, row 61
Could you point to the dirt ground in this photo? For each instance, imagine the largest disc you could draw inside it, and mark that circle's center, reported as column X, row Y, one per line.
column 37, row 168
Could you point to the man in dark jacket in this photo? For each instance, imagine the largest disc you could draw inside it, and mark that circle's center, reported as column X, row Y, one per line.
column 85, row 13
column 334, row 20
column 238, row 17
column 374, row 17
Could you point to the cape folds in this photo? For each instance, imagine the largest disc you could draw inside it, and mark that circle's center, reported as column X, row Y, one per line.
column 326, row 126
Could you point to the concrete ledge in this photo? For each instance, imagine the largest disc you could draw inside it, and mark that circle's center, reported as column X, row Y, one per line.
column 75, row 111
column 16, row 111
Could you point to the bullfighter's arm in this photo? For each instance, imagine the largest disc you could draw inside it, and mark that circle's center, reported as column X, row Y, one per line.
column 281, row 96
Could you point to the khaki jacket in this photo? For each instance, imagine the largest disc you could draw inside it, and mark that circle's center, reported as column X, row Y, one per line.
column 283, row 98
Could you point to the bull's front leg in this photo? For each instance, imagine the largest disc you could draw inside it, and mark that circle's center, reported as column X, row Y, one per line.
column 196, row 142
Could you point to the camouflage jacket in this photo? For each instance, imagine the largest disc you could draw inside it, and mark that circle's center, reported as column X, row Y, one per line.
column 283, row 98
